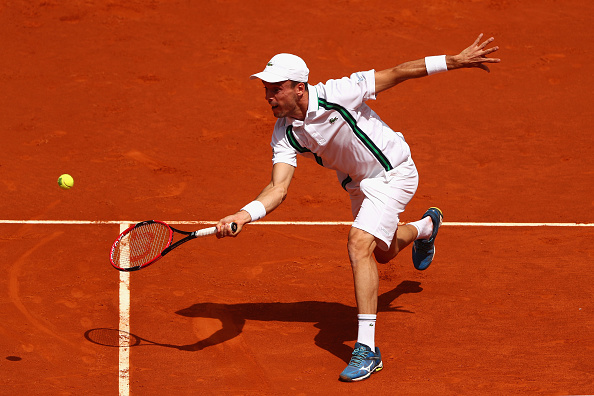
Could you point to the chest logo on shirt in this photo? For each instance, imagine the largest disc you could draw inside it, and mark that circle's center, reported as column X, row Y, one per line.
column 333, row 120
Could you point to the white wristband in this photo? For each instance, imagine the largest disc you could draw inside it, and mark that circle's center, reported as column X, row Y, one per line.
column 436, row 64
column 256, row 210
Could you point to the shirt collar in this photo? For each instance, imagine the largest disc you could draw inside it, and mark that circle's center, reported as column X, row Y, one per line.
column 313, row 105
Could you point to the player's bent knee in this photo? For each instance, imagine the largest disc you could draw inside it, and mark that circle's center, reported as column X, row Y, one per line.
column 360, row 244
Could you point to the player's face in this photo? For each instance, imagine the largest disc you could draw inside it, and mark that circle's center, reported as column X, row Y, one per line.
column 282, row 97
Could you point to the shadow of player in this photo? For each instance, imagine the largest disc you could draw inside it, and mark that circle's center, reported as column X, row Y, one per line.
column 336, row 321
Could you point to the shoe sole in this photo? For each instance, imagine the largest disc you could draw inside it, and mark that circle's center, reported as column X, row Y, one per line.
column 378, row 368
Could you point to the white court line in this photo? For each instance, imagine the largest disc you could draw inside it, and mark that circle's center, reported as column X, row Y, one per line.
column 313, row 223
column 471, row 224
column 124, row 327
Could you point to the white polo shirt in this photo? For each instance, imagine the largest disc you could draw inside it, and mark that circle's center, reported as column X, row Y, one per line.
column 341, row 132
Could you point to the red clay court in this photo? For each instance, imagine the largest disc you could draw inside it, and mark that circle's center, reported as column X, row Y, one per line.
column 148, row 105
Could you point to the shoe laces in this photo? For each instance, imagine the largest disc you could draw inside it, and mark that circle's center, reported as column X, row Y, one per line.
column 359, row 355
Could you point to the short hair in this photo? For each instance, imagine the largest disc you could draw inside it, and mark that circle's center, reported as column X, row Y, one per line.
column 294, row 84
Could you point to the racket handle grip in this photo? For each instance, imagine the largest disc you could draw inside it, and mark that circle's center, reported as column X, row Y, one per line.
column 211, row 231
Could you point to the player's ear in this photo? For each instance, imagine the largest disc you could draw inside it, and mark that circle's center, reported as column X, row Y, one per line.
column 301, row 88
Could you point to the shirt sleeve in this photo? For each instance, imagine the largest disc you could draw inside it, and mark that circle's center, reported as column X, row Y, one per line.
column 282, row 151
column 352, row 91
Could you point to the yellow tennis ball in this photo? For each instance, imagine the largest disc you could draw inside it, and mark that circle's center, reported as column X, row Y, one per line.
column 65, row 181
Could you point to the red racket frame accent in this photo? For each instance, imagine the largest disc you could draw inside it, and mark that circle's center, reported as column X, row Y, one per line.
column 127, row 231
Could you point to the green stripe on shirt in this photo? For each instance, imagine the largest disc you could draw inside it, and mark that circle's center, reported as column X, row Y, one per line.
column 367, row 142
column 295, row 144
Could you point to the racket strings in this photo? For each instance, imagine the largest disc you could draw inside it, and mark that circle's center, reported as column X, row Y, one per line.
column 141, row 245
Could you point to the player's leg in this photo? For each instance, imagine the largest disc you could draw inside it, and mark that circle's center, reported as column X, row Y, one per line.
column 361, row 245
column 376, row 205
column 405, row 235
column 366, row 358
column 422, row 233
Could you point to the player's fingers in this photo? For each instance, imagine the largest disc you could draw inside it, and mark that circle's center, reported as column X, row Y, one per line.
column 220, row 230
column 478, row 39
column 487, row 42
column 490, row 50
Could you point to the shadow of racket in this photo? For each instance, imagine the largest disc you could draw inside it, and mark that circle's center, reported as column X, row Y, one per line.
column 116, row 338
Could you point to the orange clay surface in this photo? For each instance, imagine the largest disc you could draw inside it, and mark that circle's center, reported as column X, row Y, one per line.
column 148, row 105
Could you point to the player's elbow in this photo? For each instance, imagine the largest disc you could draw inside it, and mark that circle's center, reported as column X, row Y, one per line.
column 280, row 190
column 283, row 192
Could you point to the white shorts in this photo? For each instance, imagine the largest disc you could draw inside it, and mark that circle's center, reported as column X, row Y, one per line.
column 378, row 202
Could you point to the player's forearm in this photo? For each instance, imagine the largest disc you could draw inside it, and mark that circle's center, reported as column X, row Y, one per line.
column 388, row 78
column 272, row 196
column 276, row 191
column 268, row 200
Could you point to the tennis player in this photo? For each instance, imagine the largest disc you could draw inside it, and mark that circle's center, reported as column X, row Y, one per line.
column 330, row 123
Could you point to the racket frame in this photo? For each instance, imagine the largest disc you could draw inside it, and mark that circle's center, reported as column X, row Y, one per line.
column 169, row 247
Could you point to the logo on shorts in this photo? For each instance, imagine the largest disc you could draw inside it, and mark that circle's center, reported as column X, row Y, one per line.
column 333, row 120
column 269, row 64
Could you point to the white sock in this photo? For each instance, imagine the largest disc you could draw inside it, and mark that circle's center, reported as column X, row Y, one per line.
column 367, row 330
column 424, row 227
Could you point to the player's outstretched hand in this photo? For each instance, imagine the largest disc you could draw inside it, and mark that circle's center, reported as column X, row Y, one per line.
column 476, row 55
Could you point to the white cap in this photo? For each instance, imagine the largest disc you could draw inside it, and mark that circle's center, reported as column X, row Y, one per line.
column 283, row 67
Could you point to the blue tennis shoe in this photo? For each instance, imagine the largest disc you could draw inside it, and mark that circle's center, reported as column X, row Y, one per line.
column 423, row 250
column 364, row 362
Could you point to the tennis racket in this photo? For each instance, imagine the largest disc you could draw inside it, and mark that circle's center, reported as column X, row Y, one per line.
column 146, row 242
